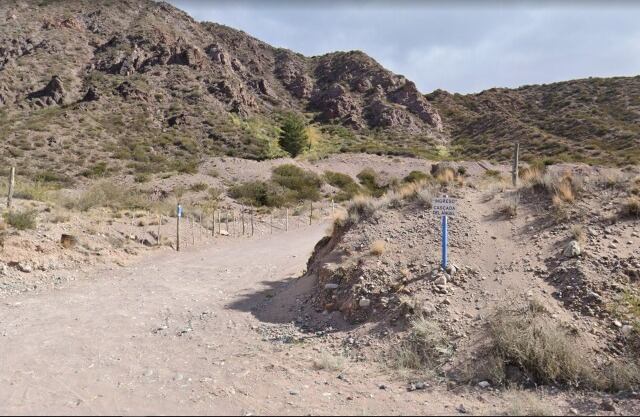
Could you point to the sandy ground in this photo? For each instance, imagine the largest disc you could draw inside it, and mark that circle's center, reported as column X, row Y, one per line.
column 174, row 335
column 206, row 331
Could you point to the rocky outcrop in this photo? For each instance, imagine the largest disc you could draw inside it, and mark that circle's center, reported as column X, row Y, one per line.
column 52, row 94
column 16, row 48
column 92, row 94
column 337, row 104
column 128, row 91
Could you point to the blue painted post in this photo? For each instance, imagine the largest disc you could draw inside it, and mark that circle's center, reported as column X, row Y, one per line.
column 445, row 242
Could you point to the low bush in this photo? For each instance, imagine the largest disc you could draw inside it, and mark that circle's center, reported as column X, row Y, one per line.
column 108, row 194
column 369, row 180
column 21, row 220
column 289, row 184
column 348, row 187
column 198, row 187
column 416, row 176
column 305, row 184
column 262, row 194
column 511, row 205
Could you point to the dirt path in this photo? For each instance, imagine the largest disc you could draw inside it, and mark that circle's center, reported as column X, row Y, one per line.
column 174, row 334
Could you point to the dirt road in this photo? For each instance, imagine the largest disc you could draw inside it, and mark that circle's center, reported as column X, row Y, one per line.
column 174, row 334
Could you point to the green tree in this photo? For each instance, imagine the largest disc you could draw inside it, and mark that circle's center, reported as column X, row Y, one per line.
column 293, row 137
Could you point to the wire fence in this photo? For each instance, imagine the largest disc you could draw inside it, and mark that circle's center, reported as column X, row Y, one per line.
column 199, row 225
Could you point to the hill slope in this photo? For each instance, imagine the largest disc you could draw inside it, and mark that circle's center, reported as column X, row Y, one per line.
column 595, row 120
column 144, row 83
column 139, row 87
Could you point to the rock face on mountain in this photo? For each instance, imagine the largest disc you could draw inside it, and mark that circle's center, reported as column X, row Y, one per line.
column 140, row 77
column 141, row 86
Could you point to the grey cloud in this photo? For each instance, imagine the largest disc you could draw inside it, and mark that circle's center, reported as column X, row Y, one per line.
column 457, row 46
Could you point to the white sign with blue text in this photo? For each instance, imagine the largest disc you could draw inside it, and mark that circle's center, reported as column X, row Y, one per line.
column 444, row 206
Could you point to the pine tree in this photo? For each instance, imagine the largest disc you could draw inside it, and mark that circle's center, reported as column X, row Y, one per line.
column 293, row 137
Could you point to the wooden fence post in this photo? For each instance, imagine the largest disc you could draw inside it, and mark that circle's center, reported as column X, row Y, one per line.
column 272, row 222
column 159, row 226
column 213, row 223
column 516, row 161
column 252, row 223
column 12, row 183
column 192, row 220
column 311, row 213
column 242, row 212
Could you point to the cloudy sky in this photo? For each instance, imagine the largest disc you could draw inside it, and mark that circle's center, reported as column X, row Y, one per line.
column 460, row 46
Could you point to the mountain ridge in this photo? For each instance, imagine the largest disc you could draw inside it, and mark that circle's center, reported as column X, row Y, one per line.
column 87, row 87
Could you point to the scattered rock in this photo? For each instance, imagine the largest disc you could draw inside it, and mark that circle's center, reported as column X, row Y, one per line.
column 572, row 249
column 607, row 405
column 68, row 241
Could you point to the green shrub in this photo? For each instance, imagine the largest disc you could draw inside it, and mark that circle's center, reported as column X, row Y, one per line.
column 185, row 166
column 416, row 176
column 53, row 178
column 261, row 194
column 369, row 179
column 96, row 171
column 21, row 220
column 348, row 187
column 305, row 184
column 142, row 177
column 33, row 191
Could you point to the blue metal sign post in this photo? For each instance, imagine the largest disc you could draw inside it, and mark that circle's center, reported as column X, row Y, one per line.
column 444, row 207
column 178, row 216
column 445, row 242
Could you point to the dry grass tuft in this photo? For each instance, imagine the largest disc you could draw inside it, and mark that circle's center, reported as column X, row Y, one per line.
column 446, row 176
column 511, row 205
column 21, row 220
column 564, row 191
column 361, row 207
column 108, row 194
column 526, row 403
column 532, row 174
column 578, row 233
column 543, row 351
column 378, row 247
column 631, row 208
column 426, row 347
column 328, row 362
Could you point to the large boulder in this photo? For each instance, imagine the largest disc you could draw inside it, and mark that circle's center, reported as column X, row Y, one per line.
column 54, row 93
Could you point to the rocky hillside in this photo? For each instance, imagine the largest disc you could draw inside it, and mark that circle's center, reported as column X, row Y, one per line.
column 537, row 275
column 91, row 88
column 592, row 120
column 141, row 82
